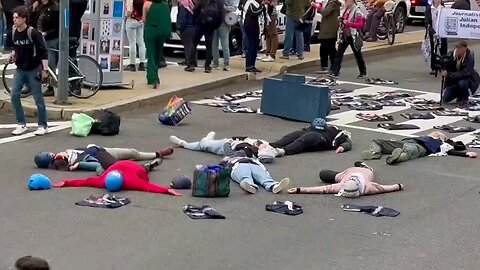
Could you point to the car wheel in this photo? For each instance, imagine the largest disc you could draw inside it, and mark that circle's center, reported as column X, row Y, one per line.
column 235, row 41
column 400, row 18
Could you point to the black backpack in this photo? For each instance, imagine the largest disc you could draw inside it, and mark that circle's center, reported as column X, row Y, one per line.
column 211, row 15
column 108, row 123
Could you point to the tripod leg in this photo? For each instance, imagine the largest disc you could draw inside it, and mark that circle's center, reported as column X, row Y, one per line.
column 441, row 90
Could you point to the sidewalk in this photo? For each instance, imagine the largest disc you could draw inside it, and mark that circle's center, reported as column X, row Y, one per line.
column 175, row 81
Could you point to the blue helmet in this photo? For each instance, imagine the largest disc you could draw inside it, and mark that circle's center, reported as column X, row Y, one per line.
column 43, row 159
column 39, row 181
column 319, row 123
column 114, row 181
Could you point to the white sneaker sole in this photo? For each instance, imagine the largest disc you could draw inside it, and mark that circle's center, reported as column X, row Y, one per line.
column 248, row 188
column 19, row 133
column 281, row 186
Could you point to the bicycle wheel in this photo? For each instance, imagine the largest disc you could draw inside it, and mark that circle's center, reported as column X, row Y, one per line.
column 391, row 30
column 85, row 77
column 7, row 78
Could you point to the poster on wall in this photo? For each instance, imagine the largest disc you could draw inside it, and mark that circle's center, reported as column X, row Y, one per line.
column 458, row 24
column 116, row 44
column 88, row 11
column 117, row 28
column 86, row 30
column 104, row 45
column 104, row 62
column 106, row 9
column 115, row 61
column 92, row 49
column 117, row 9
column 106, row 27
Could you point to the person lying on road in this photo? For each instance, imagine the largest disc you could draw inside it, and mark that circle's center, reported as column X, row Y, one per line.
column 88, row 158
column 318, row 137
column 134, row 176
column 252, row 147
column 436, row 143
column 249, row 172
column 351, row 183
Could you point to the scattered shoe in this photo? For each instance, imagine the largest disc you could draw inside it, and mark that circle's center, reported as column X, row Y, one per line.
column 41, row 131
column 130, row 68
column 20, row 130
column 247, row 187
column 211, row 135
column 279, row 152
column 165, row 152
column 281, row 185
column 141, row 67
column 177, row 141
column 395, row 156
column 361, row 164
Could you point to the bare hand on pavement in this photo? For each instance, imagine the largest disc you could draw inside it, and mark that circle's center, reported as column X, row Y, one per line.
column 340, row 149
column 59, row 184
column 174, row 192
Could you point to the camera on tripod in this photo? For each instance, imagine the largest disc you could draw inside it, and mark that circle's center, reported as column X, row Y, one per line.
column 441, row 62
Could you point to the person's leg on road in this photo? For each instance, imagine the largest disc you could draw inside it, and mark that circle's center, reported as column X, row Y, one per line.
column 130, row 154
column 130, row 30
column 289, row 33
column 342, row 47
column 242, row 174
column 212, row 146
column 410, row 150
column 323, row 55
column 379, row 147
column 35, row 84
column 244, row 40
column 262, row 177
column 19, row 79
column 288, row 139
column 362, row 68
column 224, row 35
column 311, row 141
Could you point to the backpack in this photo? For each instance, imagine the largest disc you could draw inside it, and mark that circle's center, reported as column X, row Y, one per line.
column 211, row 181
column 107, row 123
column 211, row 16
column 29, row 34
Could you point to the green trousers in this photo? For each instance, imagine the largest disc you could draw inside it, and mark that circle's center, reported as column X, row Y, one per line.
column 154, row 47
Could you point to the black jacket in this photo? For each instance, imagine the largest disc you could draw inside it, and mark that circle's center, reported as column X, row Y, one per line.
column 77, row 9
column 185, row 19
column 461, row 4
column 10, row 5
column 47, row 19
column 466, row 71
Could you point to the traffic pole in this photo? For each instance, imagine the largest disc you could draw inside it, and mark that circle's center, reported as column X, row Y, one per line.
column 63, row 50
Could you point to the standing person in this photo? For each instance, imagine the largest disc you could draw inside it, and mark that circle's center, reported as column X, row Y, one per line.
column 209, row 16
column 328, row 33
column 223, row 34
column 8, row 7
column 241, row 5
column 373, row 18
column 351, row 24
column 431, row 17
column 77, row 9
column 295, row 10
column 45, row 14
column 253, row 9
column 158, row 28
column 134, row 29
column 186, row 27
column 31, row 58
column 272, row 34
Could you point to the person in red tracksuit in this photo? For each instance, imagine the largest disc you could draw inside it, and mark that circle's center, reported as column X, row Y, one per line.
column 135, row 177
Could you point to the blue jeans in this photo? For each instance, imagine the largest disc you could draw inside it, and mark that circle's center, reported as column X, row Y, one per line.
column 222, row 34
column 253, row 174
column 460, row 90
column 208, row 145
column 32, row 79
column 292, row 29
column 52, row 55
column 252, row 49
column 307, row 38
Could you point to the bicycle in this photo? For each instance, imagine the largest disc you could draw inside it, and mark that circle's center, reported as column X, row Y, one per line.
column 388, row 26
column 81, row 85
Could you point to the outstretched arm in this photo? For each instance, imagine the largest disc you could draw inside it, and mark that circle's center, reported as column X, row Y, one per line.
column 97, row 182
column 328, row 189
column 154, row 188
column 376, row 188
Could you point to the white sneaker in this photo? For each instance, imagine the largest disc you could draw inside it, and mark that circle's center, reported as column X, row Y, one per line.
column 279, row 152
column 268, row 59
column 175, row 140
column 281, row 185
column 247, row 187
column 41, row 131
column 20, row 130
column 261, row 57
column 211, row 135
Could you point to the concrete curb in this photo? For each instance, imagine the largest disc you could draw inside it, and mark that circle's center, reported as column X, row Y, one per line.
column 156, row 98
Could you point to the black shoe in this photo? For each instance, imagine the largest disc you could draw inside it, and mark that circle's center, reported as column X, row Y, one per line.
column 361, row 164
column 253, row 70
column 50, row 92
column 162, row 65
column 141, row 67
column 189, row 69
column 130, row 68
column 151, row 166
column 362, row 76
column 333, row 76
column 208, row 70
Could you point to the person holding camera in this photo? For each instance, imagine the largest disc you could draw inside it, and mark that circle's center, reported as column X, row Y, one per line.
column 461, row 78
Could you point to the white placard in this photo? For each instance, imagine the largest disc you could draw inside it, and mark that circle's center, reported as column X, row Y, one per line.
column 457, row 23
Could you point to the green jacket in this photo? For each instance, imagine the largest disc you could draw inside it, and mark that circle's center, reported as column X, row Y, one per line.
column 296, row 8
column 329, row 25
column 158, row 20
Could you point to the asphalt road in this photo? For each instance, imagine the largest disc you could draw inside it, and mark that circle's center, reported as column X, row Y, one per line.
column 437, row 227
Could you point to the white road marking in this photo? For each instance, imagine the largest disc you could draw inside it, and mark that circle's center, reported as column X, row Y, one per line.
column 31, row 134
column 50, row 124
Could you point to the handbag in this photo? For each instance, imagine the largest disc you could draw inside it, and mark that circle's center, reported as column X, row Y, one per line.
column 211, row 181
column 81, row 124
column 175, row 112
column 231, row 18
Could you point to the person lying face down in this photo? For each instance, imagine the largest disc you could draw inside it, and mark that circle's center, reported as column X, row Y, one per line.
column 252, row 147
column 91, row 157
column 318, row 137
column 249, row 172
column 436, row 144
column 351, row 183
column 135, row 177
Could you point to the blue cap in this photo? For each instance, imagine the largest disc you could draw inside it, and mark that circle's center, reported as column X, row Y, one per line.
column 39, row 181
column 319, row 123
column 43, row 160
column 181, row 182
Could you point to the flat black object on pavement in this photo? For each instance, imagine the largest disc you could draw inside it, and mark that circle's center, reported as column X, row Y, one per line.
column 104, row 201
column 372, row 210
column 287, row 208
column 202, row 212
column 390, row 126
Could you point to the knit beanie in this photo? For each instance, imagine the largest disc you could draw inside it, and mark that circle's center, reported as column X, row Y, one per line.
column 351, row 189
column 266, row 155
column 181, row 182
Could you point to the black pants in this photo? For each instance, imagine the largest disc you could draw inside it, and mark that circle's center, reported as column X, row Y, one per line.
column 208, row 34
column 342, row 47
column 188, row 40
column 9, row 25
column 252, row 48
column 301, row 141
column 327, row 51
